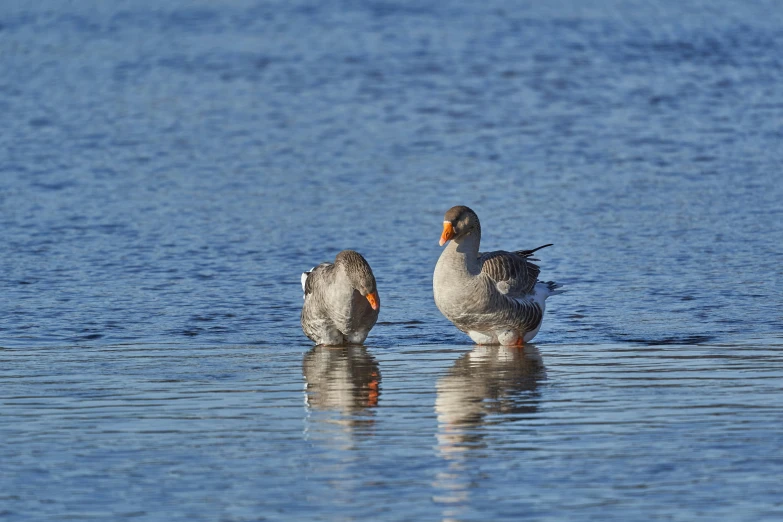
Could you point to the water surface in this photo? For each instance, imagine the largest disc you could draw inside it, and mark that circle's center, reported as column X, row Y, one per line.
column 168, row 171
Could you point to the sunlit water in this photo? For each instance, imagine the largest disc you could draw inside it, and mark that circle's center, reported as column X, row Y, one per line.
column 167, row 172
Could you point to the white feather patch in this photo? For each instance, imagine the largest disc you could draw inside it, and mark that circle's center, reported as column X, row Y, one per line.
column 305, row 275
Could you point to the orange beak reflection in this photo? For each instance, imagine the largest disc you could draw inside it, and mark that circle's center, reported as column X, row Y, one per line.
column 448, row 233
column 375, row 302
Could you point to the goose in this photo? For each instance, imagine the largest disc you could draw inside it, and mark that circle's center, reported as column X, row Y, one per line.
column 494, row 297
column 341, row 302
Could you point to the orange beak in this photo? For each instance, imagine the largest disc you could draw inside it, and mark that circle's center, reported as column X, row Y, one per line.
column 448, row 233
column 375, row 302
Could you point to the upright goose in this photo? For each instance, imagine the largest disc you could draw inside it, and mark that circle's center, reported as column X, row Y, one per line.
column 340, row 300
column 494, row 297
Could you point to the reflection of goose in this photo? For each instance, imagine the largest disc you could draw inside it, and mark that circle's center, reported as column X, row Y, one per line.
column 489, row 380
column 344, row 380
column 489, row 385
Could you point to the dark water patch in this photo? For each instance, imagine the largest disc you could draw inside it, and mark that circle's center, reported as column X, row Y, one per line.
column 56, row 186
column 684, row 340
column 40, row 122
column 89, row 337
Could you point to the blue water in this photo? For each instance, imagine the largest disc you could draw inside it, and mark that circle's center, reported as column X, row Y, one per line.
column 168, row 171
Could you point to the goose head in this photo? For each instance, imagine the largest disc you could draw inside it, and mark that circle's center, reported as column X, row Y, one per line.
column 359, row 275
column 459, row 222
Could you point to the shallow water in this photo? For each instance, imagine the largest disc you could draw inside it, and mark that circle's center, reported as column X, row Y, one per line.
column 407, row 432
column 167, row 172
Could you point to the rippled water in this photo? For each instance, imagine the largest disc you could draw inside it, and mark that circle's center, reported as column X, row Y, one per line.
column 167, row 172
column 414, row 432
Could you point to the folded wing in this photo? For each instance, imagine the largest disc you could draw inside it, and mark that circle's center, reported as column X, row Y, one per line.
column 309, row 279
column 512, row 272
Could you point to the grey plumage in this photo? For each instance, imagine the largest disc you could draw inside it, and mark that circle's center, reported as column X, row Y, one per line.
column 337, row 302
column 512, row 268
column 495, row 297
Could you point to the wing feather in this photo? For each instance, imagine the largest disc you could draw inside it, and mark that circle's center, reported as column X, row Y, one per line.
column 308, row 281
column 512, row 272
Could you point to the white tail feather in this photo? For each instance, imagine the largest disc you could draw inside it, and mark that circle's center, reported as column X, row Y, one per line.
column 542, row 290
column 305, row 275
